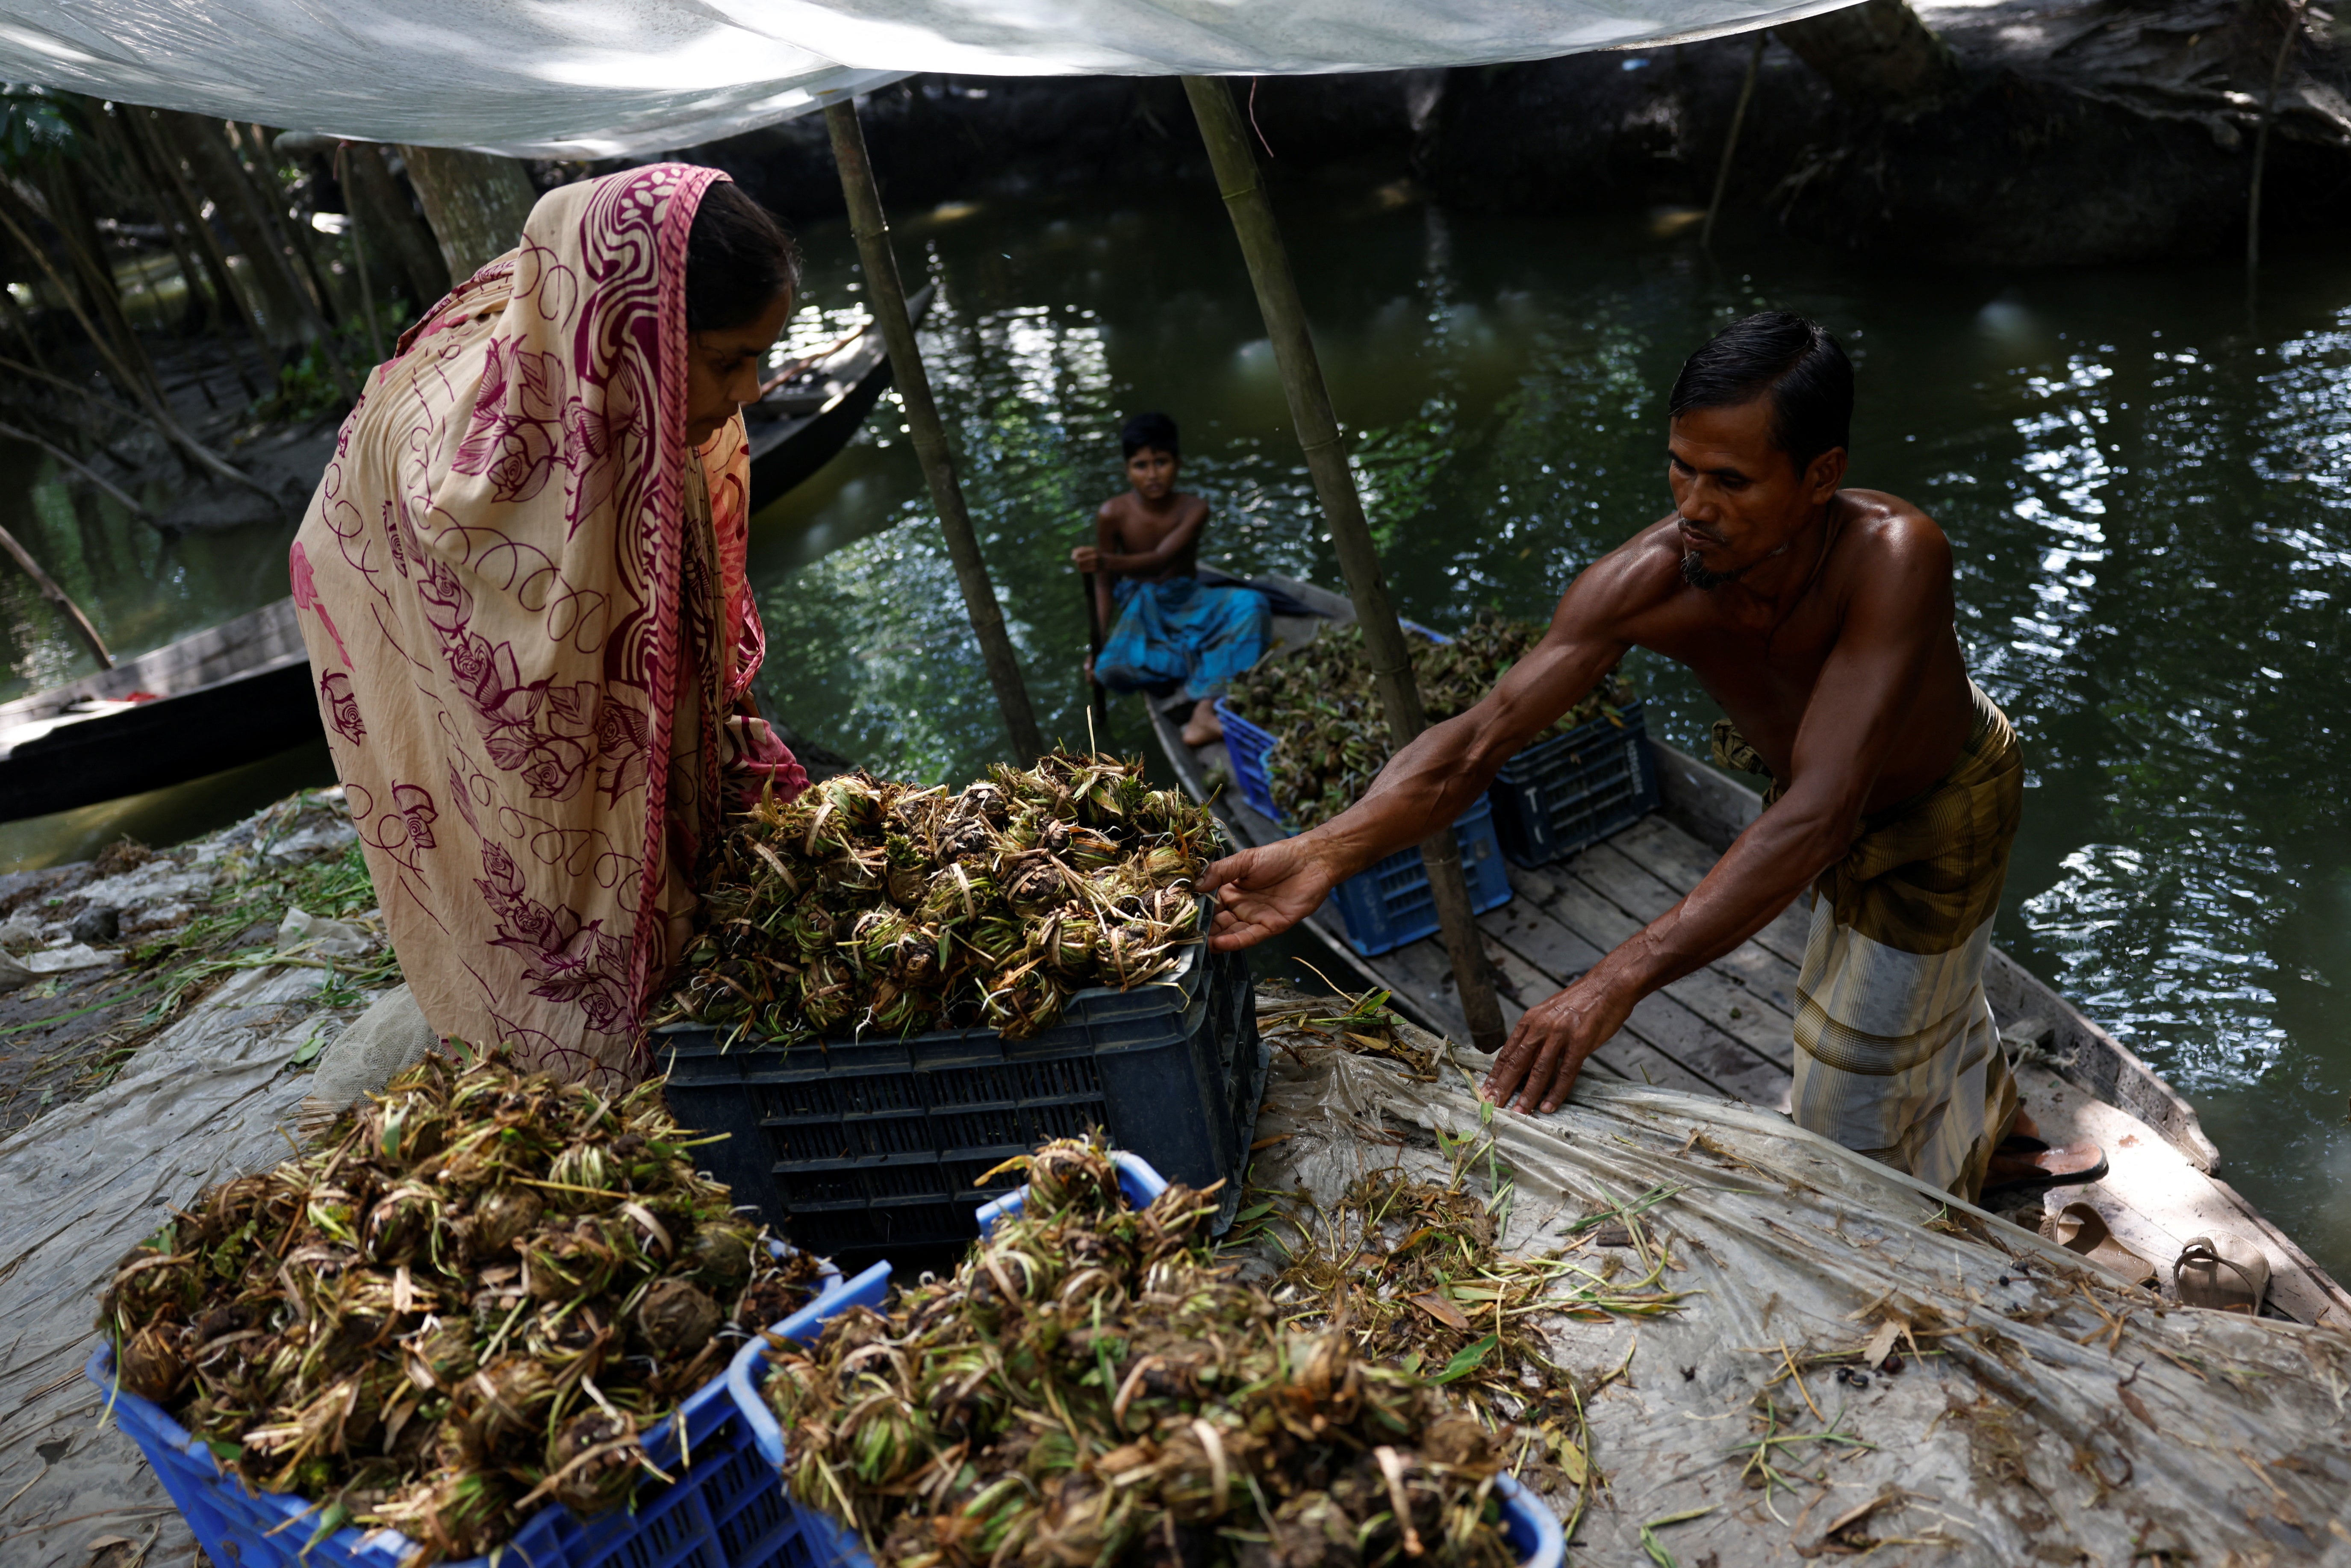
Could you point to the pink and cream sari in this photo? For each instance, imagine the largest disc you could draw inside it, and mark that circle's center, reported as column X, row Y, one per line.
column 525, row 604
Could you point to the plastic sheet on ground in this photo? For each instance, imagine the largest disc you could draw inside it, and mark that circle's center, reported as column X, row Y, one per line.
column 214, row 1095
column 205, row 1100
column 2054, row 1416
column 634, row 77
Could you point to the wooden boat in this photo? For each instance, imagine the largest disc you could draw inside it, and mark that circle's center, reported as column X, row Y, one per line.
column 1728, row 1029
column 229, row 694
column 807, row 413
column 240, row 691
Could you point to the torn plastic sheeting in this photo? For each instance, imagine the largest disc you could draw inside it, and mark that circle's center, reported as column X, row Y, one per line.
column 613, row 79
column 2055, row 1409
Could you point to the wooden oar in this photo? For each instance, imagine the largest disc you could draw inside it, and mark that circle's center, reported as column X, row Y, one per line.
column 1094, row 640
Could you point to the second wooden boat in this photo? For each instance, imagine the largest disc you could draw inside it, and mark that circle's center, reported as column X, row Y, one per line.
column 1728, row 1029
column 240, row 691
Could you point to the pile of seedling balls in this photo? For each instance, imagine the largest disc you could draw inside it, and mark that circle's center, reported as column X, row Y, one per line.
column 864, row 906
column 1091, row 1386
column 463, row 1305
column 1323, row 706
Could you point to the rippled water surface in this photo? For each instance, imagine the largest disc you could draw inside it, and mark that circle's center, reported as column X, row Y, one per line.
column 2145, row 481
column 2145, row 485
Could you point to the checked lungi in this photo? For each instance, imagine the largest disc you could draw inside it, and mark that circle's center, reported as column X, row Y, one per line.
column 1896, row 1054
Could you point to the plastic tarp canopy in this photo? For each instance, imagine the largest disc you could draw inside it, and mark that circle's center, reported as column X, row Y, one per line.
column 595, row 79
column 2044, row 1412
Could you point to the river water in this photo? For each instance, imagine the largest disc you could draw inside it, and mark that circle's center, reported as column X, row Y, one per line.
column 2144, row 477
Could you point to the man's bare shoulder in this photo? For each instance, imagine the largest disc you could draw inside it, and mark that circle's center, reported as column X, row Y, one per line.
column 1889, row 534
column 1640, row 574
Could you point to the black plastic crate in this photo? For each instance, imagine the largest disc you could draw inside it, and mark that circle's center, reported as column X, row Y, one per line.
column 852, row 1144
column 1561, row 794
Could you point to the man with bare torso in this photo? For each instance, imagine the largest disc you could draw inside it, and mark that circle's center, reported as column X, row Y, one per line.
column 1821, row 619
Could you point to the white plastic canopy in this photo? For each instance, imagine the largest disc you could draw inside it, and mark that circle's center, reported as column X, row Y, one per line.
column 615, row 77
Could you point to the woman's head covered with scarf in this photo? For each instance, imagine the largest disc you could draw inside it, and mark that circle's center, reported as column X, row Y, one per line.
column 521, row 585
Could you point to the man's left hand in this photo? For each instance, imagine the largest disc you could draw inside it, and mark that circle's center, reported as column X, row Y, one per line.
column 1548, row 1048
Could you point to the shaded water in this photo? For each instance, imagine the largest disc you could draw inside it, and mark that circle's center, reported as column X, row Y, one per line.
column 2148, row 490
column 2144, row 482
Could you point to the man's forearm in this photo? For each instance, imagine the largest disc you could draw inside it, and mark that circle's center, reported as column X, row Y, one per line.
column 1762, row 872
column 1436, row 779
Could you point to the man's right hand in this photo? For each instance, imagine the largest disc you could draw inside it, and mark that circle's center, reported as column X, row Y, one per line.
column 1263, row 892
column 1087, row 556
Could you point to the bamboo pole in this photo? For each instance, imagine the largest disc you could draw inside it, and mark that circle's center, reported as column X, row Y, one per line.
column 179, row 227
column 888, row 297
column 359, row 249
column 1343, row 510
column 56, row 596
column 269, row 203
column 1731, row 142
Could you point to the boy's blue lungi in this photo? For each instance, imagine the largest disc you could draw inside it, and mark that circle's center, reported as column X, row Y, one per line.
column 1180, row 631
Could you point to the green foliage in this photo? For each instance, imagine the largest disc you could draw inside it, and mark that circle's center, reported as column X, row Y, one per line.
column 306, row 386
column 35, row 124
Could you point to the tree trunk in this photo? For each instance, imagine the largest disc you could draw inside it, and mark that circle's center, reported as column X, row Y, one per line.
column 94, row 270
column 221, row 176
column 400, row 240
column 294, row 231
column 475, row 202
column 116, row 134
column 231, row 299
column 1877, row 54
column 268, row 197
column 189, row 237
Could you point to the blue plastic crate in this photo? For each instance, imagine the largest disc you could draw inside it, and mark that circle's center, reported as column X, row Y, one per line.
column 1247, row 745
column 1527, row 1524
column 1561, row 794
column 1391, row 904
column 722, row 1511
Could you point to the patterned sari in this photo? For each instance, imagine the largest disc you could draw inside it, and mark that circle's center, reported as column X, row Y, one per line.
column 525, row 604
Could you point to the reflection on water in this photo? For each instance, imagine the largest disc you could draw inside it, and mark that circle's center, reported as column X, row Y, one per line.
column 2148, row 498
column 139, row 586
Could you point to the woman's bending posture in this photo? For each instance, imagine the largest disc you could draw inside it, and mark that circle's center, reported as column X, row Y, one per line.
column 521, row 585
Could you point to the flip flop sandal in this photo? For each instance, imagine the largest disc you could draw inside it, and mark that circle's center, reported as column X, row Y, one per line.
column 2081, row 1229
column 2089, row 1164
column 2222, row 1272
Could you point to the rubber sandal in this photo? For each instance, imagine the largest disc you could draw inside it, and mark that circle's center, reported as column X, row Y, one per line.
column 2082, row 1161
column 2223, row 1271
column 2082, row 1231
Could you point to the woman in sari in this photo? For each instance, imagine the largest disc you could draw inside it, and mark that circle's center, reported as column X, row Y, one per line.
column 521, row 583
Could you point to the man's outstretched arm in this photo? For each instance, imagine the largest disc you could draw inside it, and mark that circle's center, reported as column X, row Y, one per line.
column 1851, row 724
column 1267, row 890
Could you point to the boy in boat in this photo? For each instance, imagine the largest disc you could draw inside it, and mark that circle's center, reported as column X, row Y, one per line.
column 1166, row 628
column 1821, row 619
